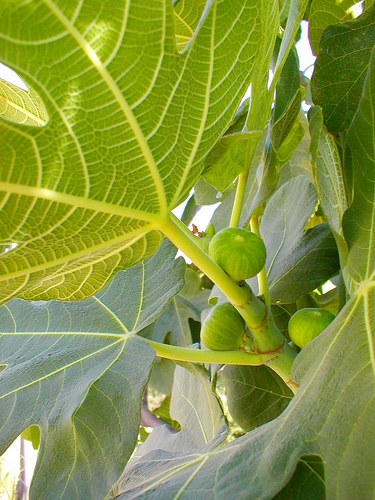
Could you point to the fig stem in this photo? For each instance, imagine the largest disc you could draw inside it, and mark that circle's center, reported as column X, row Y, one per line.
column 178, row 236
column 238, row 201
column 262, row 276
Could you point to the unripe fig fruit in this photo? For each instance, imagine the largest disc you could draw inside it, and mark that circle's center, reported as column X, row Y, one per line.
column 223, row 329
column 306, row 324
column 240, row 253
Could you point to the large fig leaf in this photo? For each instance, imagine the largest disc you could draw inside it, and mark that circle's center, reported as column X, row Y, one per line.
column 130, row 122
column 307, row 482
column 336, row 398
column 78, row 372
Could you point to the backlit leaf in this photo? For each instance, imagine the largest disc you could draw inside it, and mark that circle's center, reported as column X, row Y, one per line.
column 21, row 106
column 83, row 197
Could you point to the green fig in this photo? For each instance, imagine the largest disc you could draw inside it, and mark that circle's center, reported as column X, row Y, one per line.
column 308, row 323
column 240, row 253
column 223, row 329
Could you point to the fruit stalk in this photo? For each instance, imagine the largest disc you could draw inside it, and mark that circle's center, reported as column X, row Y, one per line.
column 262, row 276
column 266, row 335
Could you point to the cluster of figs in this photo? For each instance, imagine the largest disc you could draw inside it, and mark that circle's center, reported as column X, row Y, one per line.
column 242, row 255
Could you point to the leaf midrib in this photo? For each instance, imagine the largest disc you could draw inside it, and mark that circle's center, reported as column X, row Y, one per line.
column 80, row 202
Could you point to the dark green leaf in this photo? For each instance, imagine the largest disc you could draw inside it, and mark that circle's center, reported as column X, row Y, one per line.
column 323, row 13
column 297, row 261
column 285, row 218
column 288, row 85
column 341, row 67
column 307, row 482
column 281, row 315
column 359, row 220
column 312, row 261
column 255, row 394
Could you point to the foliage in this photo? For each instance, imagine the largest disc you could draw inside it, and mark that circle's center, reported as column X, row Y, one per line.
column 131, row 104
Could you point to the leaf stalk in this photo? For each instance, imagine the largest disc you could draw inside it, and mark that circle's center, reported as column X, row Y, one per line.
column 262, row 276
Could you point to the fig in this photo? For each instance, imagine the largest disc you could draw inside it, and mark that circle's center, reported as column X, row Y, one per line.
column 240, row 253
column 223, row 329
column 308, row 323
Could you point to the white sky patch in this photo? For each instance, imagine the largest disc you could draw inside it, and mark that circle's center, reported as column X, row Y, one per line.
column 305, row 55
column 10, row 76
